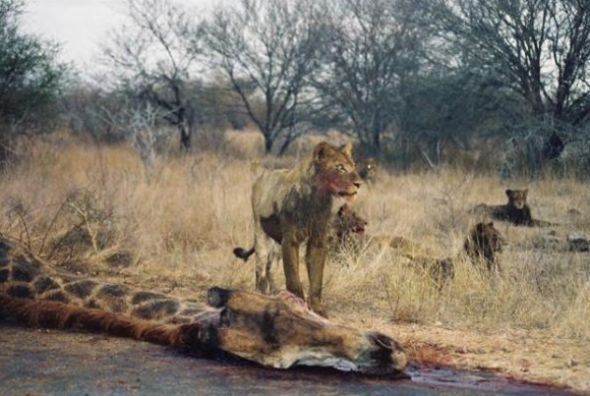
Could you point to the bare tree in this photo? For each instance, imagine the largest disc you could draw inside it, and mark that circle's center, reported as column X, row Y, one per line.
column 267, row 48
column 538, row 48
column 370, row 47
column 138, row 122
column 83, row 107
column 155, row 57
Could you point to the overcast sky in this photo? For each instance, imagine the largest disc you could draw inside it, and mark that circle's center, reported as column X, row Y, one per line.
column 80, row 25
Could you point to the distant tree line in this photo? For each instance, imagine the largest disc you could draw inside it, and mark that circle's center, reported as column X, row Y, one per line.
column 403, row 77
column 30, row 79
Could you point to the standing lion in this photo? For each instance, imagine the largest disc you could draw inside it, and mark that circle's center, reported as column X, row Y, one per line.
column 294, row 206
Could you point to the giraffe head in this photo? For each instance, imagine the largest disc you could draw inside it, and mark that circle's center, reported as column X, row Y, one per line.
column 281, row 332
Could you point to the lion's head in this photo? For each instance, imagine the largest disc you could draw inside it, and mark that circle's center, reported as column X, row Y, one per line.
column 483, row 242
column 335, row 170
column 517, row 198
column 348, row 222
column 368, row 169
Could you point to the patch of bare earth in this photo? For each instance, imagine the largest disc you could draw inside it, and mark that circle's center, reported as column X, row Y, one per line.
column 522, row 355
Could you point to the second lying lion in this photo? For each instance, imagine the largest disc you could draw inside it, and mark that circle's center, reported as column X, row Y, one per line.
column 481, row 245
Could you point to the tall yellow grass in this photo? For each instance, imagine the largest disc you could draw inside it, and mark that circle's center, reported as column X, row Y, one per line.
column 180, row 227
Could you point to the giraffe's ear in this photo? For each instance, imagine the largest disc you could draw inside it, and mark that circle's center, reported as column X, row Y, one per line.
column 218, row 297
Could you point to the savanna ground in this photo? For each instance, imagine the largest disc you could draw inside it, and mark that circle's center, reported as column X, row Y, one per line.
column 91, row 209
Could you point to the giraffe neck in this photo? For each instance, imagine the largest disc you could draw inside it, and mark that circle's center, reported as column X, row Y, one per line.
column 24, row 276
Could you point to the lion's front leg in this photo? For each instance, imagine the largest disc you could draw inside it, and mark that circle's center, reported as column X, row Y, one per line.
column 317, row 249
column 274, row 256
column 290, row 248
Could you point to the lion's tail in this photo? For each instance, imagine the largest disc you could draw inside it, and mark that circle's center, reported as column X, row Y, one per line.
column 243, row 253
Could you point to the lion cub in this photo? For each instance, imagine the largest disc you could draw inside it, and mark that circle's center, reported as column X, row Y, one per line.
column 294, row 206
column 516, row 211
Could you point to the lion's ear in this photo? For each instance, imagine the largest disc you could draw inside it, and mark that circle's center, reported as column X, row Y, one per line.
column 509, row 193
column 525, row 192
column 347, row 149
column 321, row 151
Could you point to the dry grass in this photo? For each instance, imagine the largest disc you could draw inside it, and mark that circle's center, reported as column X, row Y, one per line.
column 181, row 226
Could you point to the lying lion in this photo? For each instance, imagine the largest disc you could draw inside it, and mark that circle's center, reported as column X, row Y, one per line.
column 481, row 246
column 294, row 206
column 516, row 211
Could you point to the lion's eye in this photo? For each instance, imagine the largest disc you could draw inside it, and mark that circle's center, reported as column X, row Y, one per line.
column 341, row 168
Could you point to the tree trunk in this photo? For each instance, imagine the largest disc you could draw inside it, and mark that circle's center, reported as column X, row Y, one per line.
column 552, row 147
column 5, row 150
column 284, row 147
column 286, row 143
column 376, row 144
column 185, row 136
column 267, row 143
